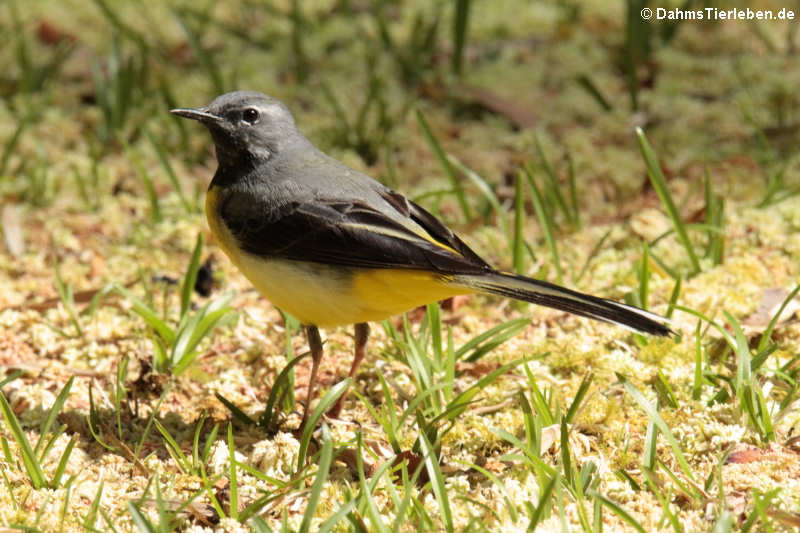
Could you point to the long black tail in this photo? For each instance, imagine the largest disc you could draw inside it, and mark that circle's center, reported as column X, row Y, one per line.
column 550, row 295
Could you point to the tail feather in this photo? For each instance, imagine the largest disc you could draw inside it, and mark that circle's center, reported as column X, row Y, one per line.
column 550, row 295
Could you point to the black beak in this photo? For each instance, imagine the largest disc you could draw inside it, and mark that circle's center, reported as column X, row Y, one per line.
column 196, row 114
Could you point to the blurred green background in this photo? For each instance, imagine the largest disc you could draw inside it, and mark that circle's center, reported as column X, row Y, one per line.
column 88, row 77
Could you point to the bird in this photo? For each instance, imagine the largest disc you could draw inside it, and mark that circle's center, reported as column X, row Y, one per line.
column 332, row 246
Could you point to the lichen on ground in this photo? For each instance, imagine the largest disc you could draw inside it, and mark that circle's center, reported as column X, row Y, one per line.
column 717, row 100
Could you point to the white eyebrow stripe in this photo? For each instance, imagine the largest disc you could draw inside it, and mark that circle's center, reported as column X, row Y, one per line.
column 267, row 110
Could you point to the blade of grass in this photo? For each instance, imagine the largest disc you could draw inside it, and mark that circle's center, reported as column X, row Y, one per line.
column 58, row 404
column 671, row 272
column 644, row 277
column 448, row 168
column 462, row 401
column 437, row 481
column 258, row 525
column 482, row 344
column 388, row 417
column 553, row 187
column 237, row 413
column 659, row 422
column 67, row 300
column 324, row 404
column 587, row 83
column 566, row 460
column 209, row 317
column 174, row 449
column 715, row 208
column 189, row 280
column 673, row 297
column 511, row 506
column 115, row 21
column 152, row 196
column 660, row 185
column 650, row 445
column 724, row 523
column 300, row 28
column 663, row 500
column 62, row 463
column 595, row 250
column 366, row 490
column 148, row 426
column 150, row 317
column 546, row 222
column 91, row 515
column 697, row 384
column 233, row 486
column 140, row 520
column 487, row 192
column 767, row 334
column 120, row 391
column 11, row 377
column 573, row 192
column 202, row 55
column 460, row 23
column 545, row 501
column 158, row 148
column 32, row 466
column 518, row 244
column 11, row 144
column 583, row 388
column 325, row 459
column 665, row 391
column 269, row 418
column 618, row 510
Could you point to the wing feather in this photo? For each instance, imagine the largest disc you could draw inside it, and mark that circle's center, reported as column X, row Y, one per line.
column 351, row 234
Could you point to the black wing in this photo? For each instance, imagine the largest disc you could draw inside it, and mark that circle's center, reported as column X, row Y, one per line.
column 350, row 233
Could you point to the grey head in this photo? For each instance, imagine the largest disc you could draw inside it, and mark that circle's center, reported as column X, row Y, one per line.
column 248, row 127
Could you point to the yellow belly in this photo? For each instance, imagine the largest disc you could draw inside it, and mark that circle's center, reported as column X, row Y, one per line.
column 332, row 296
column 326, row 296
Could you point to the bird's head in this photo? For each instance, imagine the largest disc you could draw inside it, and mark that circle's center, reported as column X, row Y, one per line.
column 246, row 126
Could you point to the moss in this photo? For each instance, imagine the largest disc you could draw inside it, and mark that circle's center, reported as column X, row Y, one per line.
column 720, row 100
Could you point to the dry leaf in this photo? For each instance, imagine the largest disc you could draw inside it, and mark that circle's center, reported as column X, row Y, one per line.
column 771, row 301
column 477, row 369
column 744, row 453
column 520, row 116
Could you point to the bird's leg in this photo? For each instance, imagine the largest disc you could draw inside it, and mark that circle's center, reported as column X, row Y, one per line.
column 362, row 334
column 315, row 344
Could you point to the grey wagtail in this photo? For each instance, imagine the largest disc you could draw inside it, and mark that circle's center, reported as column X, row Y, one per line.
column 332, row 246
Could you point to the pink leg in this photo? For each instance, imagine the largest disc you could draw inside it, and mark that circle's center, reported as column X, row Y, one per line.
column 315, row 344
column 362, row 334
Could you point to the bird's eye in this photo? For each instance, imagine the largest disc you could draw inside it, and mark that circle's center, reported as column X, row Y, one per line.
column 250, row 115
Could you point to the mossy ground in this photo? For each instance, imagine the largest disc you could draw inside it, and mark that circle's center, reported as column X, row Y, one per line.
column 718, row 98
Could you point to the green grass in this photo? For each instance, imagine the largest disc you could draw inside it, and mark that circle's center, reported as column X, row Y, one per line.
column 368, row 131
column 412, row 56
column 11, row 143
column 547, row 224
column 465, row 420
column 460, row 25
column 434, row 375
column 659, row 183
column 65, row 294
column 745, row 387
column 118, row 92
column 447, row 166
column 33, row 456
column 175, row 347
